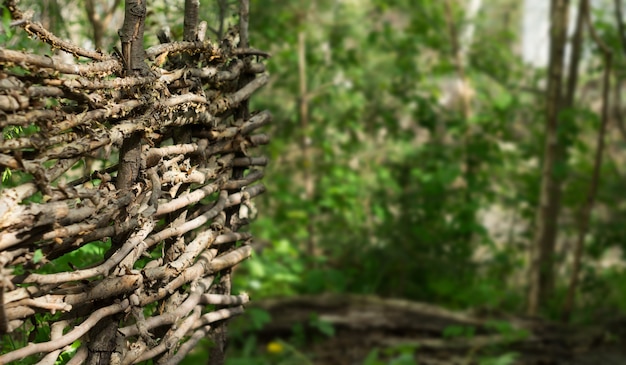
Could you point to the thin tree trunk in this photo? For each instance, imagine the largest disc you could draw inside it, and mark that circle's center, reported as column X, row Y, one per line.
column 217, row 353
column 303, row 116
column 577, row 41
column 459, row 61
column 585, row 209
column 620, row 23
column 543, row 245
column 617, row 91
column 190, row 28
column 459, row 51
column 131, row 36
column 99, row 19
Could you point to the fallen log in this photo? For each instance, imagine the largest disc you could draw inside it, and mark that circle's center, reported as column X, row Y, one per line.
column 436, row 335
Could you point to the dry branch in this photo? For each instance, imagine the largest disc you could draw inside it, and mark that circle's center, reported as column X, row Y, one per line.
column 68, row 338
column 36, row 29
column 108, row 169
column 102, row 68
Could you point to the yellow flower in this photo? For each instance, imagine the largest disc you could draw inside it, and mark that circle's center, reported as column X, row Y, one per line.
column 274, row 347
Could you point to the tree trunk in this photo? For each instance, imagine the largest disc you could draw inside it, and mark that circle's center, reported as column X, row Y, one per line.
column 584, row 214
column 543, row 245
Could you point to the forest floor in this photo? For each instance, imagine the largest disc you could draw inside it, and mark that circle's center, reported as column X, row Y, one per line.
column 434, row 335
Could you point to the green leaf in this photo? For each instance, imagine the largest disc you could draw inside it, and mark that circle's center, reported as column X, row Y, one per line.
column 6, row 25
column 373, row 358
column 257, row 269
column 503, row 100
column 324, row 327
column 456, row 331
column 259, row 317
column 6, row 174
column 505, row 359
column 38, row 255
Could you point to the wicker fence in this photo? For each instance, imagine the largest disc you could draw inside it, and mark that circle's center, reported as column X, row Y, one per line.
column 130, row 178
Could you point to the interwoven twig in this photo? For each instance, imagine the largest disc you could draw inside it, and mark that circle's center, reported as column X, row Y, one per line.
column 153, row 166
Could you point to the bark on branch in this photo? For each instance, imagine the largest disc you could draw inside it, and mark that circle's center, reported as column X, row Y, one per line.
column 161, row 217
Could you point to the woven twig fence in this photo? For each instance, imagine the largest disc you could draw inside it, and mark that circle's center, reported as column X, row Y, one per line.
column 139, row 163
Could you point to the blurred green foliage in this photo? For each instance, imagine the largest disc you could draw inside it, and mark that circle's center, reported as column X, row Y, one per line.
column 396, row 208
column 411, row 198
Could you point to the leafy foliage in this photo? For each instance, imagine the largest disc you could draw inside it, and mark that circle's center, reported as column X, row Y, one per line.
column 411, row 198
